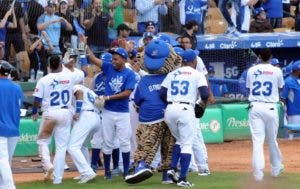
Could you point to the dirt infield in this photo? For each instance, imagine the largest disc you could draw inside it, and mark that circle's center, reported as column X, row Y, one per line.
column 230, row 156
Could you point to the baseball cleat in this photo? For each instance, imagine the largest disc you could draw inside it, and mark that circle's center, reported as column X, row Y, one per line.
column 139, row 176
column 204, row 172
column 186, row 184
column 77, row 177
column 87, row 178
column 48, row 174
column 279, row 172
column 115, row 172
column 173, row 175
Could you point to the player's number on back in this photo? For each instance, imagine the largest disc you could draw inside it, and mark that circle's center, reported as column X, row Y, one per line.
column 181, row 87
column 91, row 98
column 56, row 96
column 260, row 88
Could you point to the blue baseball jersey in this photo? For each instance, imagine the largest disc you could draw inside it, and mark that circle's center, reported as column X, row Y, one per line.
column 273, row 8
column 99, row 84
column 291, row 93
column 148, row 99
column 117, row 82
column 218, row 90
column 11, row 100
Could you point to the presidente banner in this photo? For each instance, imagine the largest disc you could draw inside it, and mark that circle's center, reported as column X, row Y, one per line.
column 211, row 125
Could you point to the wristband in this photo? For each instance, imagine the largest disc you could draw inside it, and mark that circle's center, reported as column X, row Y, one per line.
column 78, row 105
column 34, row 110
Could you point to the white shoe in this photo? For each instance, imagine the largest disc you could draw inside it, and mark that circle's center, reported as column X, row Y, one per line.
column 186, row 184
column 87, row 178
column 173, row 175
column 77, row 177
column 279, row 172
column 48, row 174
column 204, row 172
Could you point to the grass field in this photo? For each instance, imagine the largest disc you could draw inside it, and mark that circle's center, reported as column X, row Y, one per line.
column 215, row 181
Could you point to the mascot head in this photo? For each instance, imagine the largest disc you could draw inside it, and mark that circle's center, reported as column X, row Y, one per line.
column 159, row 57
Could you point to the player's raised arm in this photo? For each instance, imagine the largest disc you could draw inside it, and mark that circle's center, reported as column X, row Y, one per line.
column 92, row 57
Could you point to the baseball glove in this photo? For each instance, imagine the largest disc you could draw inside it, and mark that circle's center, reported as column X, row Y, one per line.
column 99, row 102
column 199, row 110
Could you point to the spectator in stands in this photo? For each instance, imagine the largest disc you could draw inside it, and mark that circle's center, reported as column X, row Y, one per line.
column 4, row 24
column 148, row 10
column 52, row 24
column 291, row 94
column 116, row 7
column 123, row 34
column 260, row 24
column 219, row 90
column 286, row 8
column 190, row 32
column 237, row 6
column 297, row 15
column 275, row 62
column 246, row 14
column 193, row 10
column 171, row 21
column 2, row 50
column 38, row 56
column 96, row 24
column 35, row 10
column 274, row 12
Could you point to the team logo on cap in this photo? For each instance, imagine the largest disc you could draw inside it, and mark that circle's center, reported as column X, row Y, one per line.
column 154, row 53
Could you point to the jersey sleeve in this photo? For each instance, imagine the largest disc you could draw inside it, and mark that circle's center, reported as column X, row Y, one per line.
column 201, row 80
column 280, row 79
column 39, row 89
column 285, row 91
column 130, row 83
column 138, row 95
column 200, row 66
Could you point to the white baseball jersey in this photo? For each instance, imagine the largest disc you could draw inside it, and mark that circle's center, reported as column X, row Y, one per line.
column 263, row 80
column 55, row 89
column 183, row 84
column 89, row 97
column 78, row 75
column 200, row 66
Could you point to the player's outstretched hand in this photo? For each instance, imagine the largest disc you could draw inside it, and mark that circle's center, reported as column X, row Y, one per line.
column 100, row 100
column 76, row 116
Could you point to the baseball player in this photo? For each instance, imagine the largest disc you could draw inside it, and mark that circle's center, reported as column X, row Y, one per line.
column 263, row 81
column 119, row 84
column 9, row 123
column 97, row 140
column 54, row 93
column 181, row 89
column 87, row 122
column 290, row 95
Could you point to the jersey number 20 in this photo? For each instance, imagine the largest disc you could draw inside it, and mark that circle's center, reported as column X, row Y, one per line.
column 264, row 88
column 56, row 96
column 179, row 87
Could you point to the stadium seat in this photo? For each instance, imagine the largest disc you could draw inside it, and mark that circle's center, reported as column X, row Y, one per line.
column 292, row 129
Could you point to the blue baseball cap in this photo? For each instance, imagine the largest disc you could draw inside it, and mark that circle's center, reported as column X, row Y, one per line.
column 274, row 61
column 120, row 51
column 156, row 53
column 211, row 69
column 106, row 57
column 178, row 50
column 258, row 10
column 167, row 38
column 296, row 65
column 188, row 55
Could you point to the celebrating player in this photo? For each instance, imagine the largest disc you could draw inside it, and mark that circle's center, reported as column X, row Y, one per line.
column 263, row 81
column 87, row 122
column 180, row 89
column 119, row 84
column 9, row 123
column 54, row 93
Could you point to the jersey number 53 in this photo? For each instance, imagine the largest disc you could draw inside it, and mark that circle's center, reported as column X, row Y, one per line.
column 181, row 87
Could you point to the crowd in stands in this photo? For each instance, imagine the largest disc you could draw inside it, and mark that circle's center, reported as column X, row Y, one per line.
column 37, row 29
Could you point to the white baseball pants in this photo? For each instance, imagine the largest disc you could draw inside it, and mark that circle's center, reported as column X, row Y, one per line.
column 81, row 134
column 181, row 120
column 7, row 148
column 264, row 121
column 61, row 132
column 116, row 125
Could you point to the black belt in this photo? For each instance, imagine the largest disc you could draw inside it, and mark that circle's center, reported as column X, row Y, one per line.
column 92, row 111
column 64, row 107
column 265, row 102
column 179, row 103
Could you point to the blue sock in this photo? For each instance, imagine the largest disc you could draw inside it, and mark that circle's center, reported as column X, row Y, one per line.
column 175, row 156
column 126, row 161
column 115, row 157
column 107, row 162
column 95, row 157
column 165, row 176
column 185, row 160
